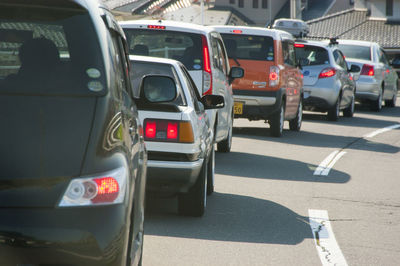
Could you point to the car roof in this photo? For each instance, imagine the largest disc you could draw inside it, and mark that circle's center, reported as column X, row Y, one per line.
column 255, row 31
column 314, row 43
column 154, row 59
column 356, row 42
column 169, row 24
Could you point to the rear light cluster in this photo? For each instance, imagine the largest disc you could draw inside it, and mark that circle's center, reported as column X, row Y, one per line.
column 299, row 45
column 107, row 188
column 237, row 31
column 273, row 76
column 207, row 74
column 367, row 70
column 168, row 131
column 327, row 73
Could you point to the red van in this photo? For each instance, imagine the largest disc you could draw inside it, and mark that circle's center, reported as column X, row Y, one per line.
column 271, row 88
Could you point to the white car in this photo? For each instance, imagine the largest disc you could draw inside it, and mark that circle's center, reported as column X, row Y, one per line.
column 202, row 51
column 177, row 131
column 377, row 80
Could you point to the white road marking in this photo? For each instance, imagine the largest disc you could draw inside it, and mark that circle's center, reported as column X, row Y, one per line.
column 326, row 165
column 382, row 130
column 328, row 249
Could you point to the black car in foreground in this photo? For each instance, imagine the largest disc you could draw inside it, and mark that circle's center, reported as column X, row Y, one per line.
column 72, row 155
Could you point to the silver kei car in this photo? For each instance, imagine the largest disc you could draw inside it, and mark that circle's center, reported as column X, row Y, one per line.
column 177, row 132
column 377, row 80
column 328, row 83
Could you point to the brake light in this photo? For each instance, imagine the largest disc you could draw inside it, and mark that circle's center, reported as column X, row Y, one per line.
column 237, row 31
column 299, row 45
column 273, row 76
column 327, row 73
column 367, row 70
column 207, row 74
column 156, row 27
column 107, row 188
column 168, row 131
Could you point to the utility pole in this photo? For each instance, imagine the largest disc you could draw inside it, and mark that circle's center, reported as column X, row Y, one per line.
column 202, row 11
column 293, row 9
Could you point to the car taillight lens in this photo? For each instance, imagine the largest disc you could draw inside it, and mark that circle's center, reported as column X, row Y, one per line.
column 273, row 76
column 102, row 189
column 168, row 131
column 367, row 70
column 299, row 45
column 327, row 73
column 207, row 74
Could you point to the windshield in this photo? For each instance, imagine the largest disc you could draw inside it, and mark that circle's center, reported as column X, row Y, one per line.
column 181, row 46
column 49, row 51
column 312, row 55
column 249, row 47
column 356, row 51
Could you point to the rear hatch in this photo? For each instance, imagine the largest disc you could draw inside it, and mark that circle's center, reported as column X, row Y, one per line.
column 255, row 54
column 48, row 92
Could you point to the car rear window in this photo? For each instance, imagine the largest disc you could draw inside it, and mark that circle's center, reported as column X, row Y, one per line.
column 141, row 69
column 181, row 46
column 249, row 47
column 310, row 55
column 356, row 51
column 49, row 50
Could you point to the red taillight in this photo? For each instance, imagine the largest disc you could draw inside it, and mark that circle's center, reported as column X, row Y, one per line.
column 367, row 70
column 151, row 128
column 156, row 27
column 299, row 45
column 207, row 74
column 327, row 73
column 273, row 76
column 237, row 31
column 107, row 189
column 172, row 131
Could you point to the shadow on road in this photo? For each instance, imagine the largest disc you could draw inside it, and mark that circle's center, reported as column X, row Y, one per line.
column 229, row 217
column 266, row 167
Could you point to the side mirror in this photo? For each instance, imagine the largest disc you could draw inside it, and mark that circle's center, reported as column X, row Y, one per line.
column 158, row 89
column 354, row 69
column 213, row 101
column 235, row 72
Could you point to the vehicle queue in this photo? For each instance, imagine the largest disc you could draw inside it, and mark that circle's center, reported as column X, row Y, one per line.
column 167, row 114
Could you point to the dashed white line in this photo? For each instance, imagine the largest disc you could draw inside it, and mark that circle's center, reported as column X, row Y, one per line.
column 326, row 165
column 328, row 249
column 382, row 130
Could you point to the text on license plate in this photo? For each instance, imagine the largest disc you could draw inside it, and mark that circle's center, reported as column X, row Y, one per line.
column 238, row 108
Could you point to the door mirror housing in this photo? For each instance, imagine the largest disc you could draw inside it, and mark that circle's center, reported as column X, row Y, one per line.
column 354, row 69
column 235, row 72
column 213, row 101
column 158, row 89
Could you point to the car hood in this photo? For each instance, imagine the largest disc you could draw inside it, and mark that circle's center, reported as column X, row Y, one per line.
column 43, row 144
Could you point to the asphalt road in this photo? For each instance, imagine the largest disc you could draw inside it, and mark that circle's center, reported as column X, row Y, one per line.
column 268, row 204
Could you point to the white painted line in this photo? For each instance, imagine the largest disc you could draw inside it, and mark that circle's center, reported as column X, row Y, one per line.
column 382, row 130
column 326, row 165
column 328, row 250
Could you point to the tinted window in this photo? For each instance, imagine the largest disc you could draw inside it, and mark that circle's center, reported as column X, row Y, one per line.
column 356, row 51
column 181, row 46
column 249, row 47
column 339, row 59
column 289, row 56
column 312, row 55
column 141, row 69
column 49, row 51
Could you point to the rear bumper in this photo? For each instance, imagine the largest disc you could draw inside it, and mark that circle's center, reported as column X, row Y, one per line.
column 258, row 105
column 367, row 89
column 172, row 176
column 320, row 97
column 67, row 236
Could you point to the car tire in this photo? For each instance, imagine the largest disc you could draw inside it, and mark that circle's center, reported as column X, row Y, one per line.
column 226, row 144
column 130, row 260
column 377, row 104
column 193, row 203
column 276, row 122
column 295, row 123
column 349, row 111
column 392, row 102
column 211, row 172
column 334, row 112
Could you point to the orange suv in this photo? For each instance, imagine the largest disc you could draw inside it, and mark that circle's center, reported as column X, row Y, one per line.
column 271, row 88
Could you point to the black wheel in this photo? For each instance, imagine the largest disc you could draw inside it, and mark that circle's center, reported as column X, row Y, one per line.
column 211, row 172
column 295, row 123
column 349, row 111
column 193, row 203
column 334, row 112
column 277, row 121
column 133, row 245
column 377, row 104
column 392, row 102
column 226, row 144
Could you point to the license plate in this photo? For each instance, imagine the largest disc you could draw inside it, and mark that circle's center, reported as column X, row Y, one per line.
column 238, row 108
